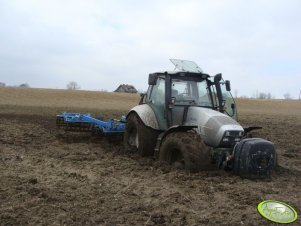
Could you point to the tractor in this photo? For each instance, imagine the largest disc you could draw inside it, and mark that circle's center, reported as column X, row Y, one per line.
column 189, row 119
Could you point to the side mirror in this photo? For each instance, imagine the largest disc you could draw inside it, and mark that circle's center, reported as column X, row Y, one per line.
column 217, row 77
column 152, row 79
column 228, row 86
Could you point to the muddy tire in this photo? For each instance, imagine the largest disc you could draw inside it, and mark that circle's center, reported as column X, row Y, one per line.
column 139, row 138
column 185, row 150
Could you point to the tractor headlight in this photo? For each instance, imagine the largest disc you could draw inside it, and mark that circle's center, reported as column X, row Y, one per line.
column 231, row 137
column 237, row 139
column 226, row 139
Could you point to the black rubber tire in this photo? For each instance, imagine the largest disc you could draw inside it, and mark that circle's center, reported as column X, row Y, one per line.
column 186, row 148
column 135, row 131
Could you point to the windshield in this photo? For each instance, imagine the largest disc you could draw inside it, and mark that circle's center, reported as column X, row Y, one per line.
column 187, row 92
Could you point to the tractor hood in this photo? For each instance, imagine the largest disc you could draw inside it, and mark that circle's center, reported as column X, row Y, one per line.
column 213, row 126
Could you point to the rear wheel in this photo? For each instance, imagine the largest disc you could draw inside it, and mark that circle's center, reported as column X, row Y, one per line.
column 138, row 137
column 185, row 150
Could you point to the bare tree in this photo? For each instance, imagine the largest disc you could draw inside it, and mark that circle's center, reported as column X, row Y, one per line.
column 73, row 86
column 262, row 96
column 24, row 85
column 287, row 96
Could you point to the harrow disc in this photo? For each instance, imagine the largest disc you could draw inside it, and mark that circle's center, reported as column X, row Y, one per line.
column 74, row 126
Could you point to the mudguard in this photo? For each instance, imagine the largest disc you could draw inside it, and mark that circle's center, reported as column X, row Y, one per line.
column 254, row 158
column 168, row 131
column 146, row 114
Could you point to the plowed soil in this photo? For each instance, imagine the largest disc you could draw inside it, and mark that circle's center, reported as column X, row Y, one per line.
column 52, row 177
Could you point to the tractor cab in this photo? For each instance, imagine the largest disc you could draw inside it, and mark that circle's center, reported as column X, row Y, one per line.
column 171, row 94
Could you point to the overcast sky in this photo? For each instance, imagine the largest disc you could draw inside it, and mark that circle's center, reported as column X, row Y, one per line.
column 101, row 44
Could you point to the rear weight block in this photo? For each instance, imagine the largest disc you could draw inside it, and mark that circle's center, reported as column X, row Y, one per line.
column 254, row 158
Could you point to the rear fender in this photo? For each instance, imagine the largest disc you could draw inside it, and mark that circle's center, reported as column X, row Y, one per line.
column 146, row 114
column 170, row 130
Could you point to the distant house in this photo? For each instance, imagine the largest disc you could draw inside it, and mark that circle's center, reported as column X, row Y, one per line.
column 126, row 89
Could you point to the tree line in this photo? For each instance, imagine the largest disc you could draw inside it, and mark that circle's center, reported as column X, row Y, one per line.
column 23, row 85
column 262, row 96
column 72, row 85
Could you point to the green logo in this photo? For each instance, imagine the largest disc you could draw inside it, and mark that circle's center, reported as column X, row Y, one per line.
column 278, row 212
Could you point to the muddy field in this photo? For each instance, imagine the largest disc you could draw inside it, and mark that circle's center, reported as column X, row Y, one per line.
column 49, row 177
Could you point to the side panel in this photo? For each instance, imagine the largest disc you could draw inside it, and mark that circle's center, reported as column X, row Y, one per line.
column 147, row 115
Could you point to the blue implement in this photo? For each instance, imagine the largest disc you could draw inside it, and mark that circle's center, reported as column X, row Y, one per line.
column 84, row 122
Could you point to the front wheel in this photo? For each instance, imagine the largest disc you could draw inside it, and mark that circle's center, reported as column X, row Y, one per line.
column 139, row 138
column 185, row 150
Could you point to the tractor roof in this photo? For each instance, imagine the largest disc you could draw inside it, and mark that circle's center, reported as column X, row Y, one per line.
column 184, row 68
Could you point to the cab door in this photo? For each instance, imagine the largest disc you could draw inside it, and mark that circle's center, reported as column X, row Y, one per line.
column 156, row 100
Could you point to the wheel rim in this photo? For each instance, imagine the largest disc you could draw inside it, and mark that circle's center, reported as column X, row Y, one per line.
column 177, row 159
column 134, row 139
